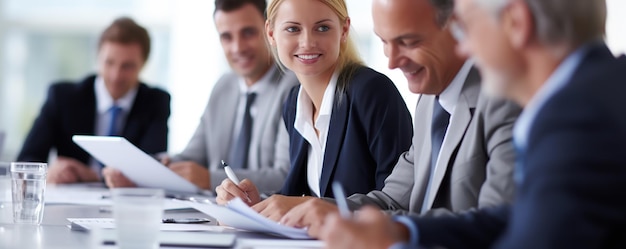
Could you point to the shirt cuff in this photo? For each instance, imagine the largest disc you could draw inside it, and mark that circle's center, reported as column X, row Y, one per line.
column 413, row 231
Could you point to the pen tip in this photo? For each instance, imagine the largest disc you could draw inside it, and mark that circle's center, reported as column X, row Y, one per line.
column 224, row 163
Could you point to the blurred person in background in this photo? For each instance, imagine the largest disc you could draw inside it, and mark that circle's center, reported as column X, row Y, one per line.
column 111, row 103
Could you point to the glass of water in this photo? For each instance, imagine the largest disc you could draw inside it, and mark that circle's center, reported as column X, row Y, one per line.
column 6, row 209
column 138, row 213
column 28, row 183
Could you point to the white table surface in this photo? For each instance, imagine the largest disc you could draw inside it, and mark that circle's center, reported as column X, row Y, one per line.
column 54, row 232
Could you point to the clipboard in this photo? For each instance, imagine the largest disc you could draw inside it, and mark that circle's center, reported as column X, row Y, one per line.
column 141, row 168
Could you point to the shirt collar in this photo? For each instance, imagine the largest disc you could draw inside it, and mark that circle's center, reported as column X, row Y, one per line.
column 559, row 78
column 260, row 85
column 450, row 96
column 104, row 100
column 304, row 106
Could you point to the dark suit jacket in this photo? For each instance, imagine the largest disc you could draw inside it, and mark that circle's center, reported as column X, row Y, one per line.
column 574, row 190
column 70, row 109
column 370, row 127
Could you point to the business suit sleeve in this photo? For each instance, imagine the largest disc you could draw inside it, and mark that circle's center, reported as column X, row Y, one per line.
column 155, row 136
column 267, row 179
column 41, row 138
column 472, row 229
column 572, row 191
column 387, row 124
column 395, row 196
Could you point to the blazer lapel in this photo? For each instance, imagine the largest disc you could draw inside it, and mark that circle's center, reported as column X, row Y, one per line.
column 421, row 150
column 459, row 123
column 228, row 117
column 133, row 120
column 86, row 118
column 265, row 103
column 334, row 142
column 298, row 152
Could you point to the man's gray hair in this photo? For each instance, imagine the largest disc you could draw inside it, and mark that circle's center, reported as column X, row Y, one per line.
column 444, row 10
column 569, row 22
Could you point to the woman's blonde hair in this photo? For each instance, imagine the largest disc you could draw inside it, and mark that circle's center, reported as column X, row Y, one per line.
column 349, row 60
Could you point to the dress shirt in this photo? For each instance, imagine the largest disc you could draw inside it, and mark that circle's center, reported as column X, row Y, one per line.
column 555, row 82
column 305, row 126
column 104, row 102
column 259, row 88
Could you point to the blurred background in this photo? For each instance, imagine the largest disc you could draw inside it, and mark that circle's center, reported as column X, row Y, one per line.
column 42, row 41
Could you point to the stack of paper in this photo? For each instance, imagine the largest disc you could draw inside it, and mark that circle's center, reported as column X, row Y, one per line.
column 239, row 215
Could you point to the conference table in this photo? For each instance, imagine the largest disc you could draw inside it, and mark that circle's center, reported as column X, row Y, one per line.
column 55, row 232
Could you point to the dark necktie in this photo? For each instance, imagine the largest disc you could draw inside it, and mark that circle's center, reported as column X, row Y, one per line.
column 115, row 115
column 439, row 125
column 239, row 153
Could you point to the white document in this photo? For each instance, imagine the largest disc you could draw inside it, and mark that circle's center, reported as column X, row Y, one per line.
column 239, row 215
column 139, row 167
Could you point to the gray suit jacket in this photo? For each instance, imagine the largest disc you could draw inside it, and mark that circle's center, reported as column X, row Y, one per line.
column 476, row 162
column 268, row 158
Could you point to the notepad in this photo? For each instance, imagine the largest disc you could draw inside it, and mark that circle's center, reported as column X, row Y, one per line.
column 239, row 215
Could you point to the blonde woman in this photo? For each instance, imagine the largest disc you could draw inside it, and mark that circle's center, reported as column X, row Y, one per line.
column 347, row 123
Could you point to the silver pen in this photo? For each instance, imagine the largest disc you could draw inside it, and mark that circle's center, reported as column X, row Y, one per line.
column 340, row 197
column 231, row 175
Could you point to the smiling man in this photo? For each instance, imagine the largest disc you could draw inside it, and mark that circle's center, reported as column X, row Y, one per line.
column 113, row 102
column 549, row 56
column 462, row 155
column 242, row 123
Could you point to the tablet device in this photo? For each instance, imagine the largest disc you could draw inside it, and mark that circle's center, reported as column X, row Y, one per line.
column 141, row 168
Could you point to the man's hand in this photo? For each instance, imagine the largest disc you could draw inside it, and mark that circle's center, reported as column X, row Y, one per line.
column 228, row 190
column 69, row 170
column 115, row 179
column 311, row 214
column 193, row 172
column 277, row 206
column 370, row 229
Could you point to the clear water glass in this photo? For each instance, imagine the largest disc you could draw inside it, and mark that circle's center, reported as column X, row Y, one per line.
column 138, row 213
column 28, row 184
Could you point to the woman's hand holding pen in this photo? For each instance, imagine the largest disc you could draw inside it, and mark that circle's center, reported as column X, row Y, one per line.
column 228, row 190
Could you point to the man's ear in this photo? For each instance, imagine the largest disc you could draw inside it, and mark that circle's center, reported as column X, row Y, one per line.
column 518, row 24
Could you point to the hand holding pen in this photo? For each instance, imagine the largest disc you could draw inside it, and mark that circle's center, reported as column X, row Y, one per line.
column 232, row 188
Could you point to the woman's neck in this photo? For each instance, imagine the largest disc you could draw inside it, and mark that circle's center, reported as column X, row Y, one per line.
column 315, row 87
